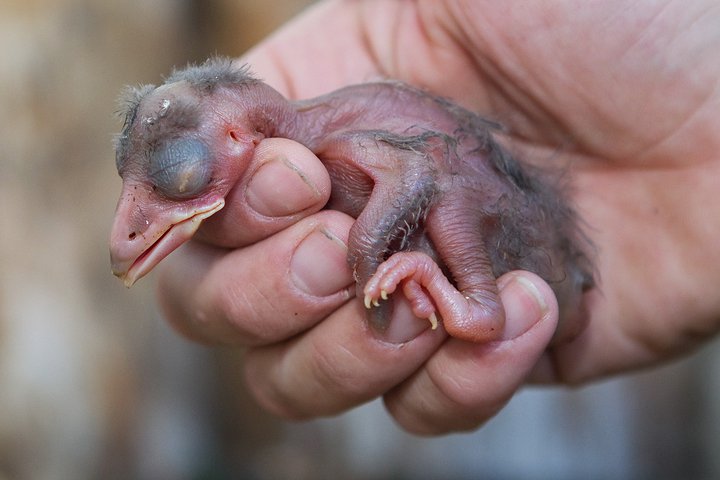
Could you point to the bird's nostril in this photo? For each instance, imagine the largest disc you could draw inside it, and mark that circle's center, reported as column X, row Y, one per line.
column 132, row 235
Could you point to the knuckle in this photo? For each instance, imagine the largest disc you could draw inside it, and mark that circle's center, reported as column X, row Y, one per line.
column 338, row 372
column 268, row 394
column 230, row 303
column 246, row 311
column 467, row 396
column 301, row 383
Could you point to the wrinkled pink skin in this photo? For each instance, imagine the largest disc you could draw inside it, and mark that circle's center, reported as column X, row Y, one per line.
column 420, row 175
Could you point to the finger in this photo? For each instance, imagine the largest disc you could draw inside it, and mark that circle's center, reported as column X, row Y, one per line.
column 340, row 363
column 283, row 183
column 263, row 293
column 465, row 384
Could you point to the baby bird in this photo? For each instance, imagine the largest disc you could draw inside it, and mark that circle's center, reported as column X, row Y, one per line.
column 441, row 209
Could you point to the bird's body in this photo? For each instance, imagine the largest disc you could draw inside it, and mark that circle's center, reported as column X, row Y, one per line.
column 441, row 208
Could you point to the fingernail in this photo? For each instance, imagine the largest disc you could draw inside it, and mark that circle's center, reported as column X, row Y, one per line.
column 404, row 325
column 319, row 265
column 524, row 304
column 278, row 188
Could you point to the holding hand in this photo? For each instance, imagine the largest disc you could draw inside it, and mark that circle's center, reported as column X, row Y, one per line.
column 630, row 100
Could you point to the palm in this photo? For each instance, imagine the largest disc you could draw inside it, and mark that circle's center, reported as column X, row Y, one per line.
column 623, row 96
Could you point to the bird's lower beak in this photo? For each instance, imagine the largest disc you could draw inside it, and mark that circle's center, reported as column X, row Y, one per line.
column 134, row 256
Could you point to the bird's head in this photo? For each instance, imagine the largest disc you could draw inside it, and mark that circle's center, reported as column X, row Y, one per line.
column 181, row 150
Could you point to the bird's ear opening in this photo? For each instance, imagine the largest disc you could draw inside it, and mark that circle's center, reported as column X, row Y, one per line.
column 244, row 138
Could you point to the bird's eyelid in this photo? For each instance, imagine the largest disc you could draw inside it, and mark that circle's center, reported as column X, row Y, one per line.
column 181, row 168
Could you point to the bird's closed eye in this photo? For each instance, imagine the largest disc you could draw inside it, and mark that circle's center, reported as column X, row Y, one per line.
column 180, row 168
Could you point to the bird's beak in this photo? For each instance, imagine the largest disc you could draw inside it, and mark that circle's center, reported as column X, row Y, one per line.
column 138, row 244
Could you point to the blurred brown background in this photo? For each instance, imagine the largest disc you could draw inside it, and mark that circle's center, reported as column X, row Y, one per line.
column 94, row 385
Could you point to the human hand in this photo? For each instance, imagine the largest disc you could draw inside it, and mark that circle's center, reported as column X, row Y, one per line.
column 626, row 98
